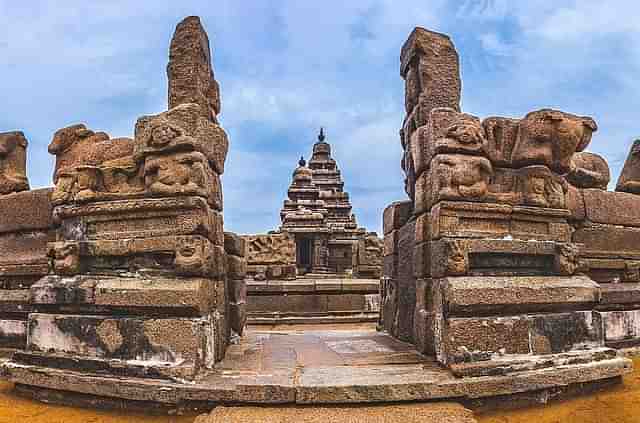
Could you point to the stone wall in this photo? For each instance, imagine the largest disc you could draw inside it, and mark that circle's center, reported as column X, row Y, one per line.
column 270, row 256
column 509, row 247
column 140, row 278
column 25, row 230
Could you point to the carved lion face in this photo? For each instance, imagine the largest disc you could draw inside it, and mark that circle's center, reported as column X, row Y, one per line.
column 162, row 135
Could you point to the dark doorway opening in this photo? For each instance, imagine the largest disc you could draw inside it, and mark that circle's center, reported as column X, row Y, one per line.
column 304, row 254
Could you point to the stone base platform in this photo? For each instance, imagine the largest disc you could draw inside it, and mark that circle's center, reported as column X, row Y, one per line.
column 318, row 366
column 313, row 299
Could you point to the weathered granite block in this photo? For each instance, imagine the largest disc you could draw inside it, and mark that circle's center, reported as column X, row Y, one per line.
column 396, row 215
column 480, row 338
column 430, row 67
column 629, row 179
column 182, row 128
column 479, row 220
column 25, row 211
column 612, row 208
column 173, row 341
column 13, row 333
column 485, row 295
column 621, row 328
column 13, row 162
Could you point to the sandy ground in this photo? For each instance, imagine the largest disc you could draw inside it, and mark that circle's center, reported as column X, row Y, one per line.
column 618, row 405
column 404, row 413
column 16, row 409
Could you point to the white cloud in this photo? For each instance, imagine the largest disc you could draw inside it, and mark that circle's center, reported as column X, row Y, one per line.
column 287, row 67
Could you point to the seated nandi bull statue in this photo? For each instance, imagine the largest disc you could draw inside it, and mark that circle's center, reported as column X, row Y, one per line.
column 88, row 162
column 13, row 162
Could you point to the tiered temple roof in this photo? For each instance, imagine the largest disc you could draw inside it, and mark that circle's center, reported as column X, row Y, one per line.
column 317, row 201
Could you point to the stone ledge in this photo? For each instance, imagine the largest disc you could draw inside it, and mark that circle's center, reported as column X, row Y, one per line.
column 476, row 295
column 311, row 286
column 365, row 372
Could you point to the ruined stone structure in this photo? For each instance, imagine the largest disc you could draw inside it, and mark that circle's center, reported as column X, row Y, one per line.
column 319, row 265
column 509, row 273
column 124, row 269
column 510, row 256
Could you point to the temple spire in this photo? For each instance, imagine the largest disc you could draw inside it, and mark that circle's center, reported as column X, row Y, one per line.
column 302, row 162
column 321, row 135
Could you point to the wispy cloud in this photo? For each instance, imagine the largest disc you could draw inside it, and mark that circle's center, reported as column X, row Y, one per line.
column 287, row 67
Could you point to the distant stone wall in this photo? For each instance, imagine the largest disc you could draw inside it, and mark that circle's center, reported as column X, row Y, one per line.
column 270, row 256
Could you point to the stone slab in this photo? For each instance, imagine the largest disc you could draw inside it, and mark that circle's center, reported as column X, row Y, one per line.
column 171, row 341
column 608, row 241
column 478, row 295
column 13, row 333
column 481, row 220
column 320, row 366
column 619, row 294
column 24, row 211
column 396, row 215
column 612, row 208
column 621, row 327
column 480, row 338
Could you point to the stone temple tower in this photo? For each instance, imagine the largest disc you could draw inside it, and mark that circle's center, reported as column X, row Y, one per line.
column 319, row 215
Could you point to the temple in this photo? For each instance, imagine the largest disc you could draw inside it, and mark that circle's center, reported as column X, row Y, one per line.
column 319, row 264
column 509, row 273
column 318, row 214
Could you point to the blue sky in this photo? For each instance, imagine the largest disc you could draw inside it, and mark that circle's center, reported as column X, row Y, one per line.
column 289, row 67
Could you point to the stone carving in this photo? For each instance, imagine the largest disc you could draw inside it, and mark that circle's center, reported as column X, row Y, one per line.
column 589, row 170
column 542, row 188
column 90, row 164
column 182, row 174
column 430, row 67
column 501, row 134
column 189, row 70
column 456, row 259
column 182, row 128
column 76, row 145
column 272, row 248
column 459, row 176
column 447, row 131
column 550, row 137
column 567, row 259
column 13, row 162
column 194, row 256
column 629, row 180
column 65, row 257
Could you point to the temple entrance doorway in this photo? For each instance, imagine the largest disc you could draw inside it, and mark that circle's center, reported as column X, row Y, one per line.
column 304, row 254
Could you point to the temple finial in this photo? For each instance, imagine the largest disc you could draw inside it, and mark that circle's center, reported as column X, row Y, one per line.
column 321, row 134
column 302, row 162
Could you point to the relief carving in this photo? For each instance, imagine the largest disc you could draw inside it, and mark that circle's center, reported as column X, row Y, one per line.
column 192, row 256
column 589, row 170
column 542, row 188
column 65, row 256
column 270, row 249
column 457, row 263
column 182, row 174
column 460, row 177
column 550, row 138
column 567, row 260
column 76, row 145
